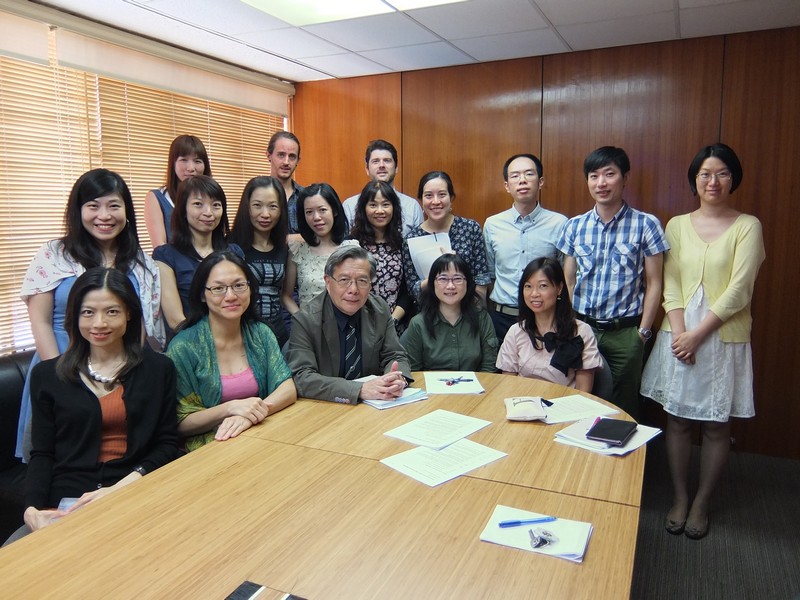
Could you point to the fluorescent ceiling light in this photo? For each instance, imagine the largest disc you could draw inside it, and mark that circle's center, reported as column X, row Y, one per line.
column 412, row 4
column 310, row 12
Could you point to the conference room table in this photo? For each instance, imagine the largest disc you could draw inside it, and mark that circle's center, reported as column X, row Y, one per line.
column 301, row 504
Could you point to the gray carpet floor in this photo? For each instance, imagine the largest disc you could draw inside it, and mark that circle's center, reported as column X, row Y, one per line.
column 753, row 546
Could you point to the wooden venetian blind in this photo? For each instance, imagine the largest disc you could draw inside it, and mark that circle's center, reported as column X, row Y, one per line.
column 56, row 123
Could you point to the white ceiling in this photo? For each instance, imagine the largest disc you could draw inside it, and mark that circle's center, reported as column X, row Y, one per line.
column 454, row 34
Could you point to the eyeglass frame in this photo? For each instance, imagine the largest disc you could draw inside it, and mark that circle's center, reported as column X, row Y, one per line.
column 225, row 289
column 344, row 283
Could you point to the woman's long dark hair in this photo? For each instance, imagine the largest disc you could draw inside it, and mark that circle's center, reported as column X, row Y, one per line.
column 198, row 308
column 566, row 327
column 242, row 232
column 339, row 229
column 429, row 303
column 362, row 229
column 79, row 243
column 73, row 361
column 184, row 145
column 181, row 232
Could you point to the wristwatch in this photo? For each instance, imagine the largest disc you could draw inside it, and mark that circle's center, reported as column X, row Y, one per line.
column 645, row 333
column 140, row 470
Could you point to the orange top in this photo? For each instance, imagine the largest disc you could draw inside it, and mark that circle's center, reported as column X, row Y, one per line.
column 114, row 439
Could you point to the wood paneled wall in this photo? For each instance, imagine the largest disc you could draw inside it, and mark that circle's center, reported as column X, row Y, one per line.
column 333, row 139
column 661, row 102
column 466, row 121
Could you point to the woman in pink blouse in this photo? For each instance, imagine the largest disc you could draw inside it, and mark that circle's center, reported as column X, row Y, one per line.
column 548, row 342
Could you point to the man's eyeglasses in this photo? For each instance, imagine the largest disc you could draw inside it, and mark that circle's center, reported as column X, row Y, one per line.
column 221, row 290
column 346, row 282
column 517, row 176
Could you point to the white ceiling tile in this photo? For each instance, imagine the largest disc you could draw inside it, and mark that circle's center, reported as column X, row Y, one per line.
column 372, row 33
column 229, row 16
column 291, row 42
column 571, row 12
column 479, row 17
column 424, row 56
column 620, row 32
column 346, row 65
column 738, row 17
column 513, row 45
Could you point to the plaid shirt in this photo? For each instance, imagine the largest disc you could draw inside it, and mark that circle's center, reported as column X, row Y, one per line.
column 610, row 282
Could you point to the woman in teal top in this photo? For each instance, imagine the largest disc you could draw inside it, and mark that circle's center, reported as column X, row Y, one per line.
column 452, row 332
column 231, row 373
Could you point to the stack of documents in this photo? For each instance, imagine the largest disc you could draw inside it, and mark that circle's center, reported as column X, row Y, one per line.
column 409, row 395
column 452, row 382
column 561, row 538
column 575, row 435
column 443, row 453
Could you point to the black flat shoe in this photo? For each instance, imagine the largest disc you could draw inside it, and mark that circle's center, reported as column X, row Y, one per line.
column 697, row 533
column 674, row 527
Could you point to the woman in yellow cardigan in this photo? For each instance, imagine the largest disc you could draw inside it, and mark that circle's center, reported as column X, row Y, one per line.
column 701, row 365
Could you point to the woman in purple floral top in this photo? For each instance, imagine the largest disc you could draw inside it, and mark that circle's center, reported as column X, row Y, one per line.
column 376, row 227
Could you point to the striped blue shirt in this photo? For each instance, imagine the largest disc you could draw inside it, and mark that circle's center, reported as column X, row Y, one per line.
column 610, row 281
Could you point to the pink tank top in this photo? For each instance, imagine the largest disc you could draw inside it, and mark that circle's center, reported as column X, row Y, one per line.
column 239, row 385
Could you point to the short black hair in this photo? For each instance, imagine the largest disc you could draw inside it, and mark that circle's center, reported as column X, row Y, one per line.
column 380, row 145
column 536, row 161
column 604, row 156
column 726, row 155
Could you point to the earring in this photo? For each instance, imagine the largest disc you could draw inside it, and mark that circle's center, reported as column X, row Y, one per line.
column 558, row 297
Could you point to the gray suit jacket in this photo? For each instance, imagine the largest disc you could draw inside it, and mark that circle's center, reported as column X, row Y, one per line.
column 313, row 353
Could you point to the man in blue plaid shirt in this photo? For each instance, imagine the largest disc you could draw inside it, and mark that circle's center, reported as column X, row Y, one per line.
column 613, row 260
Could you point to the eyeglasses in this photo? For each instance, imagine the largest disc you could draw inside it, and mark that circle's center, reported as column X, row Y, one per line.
column 455, row 280
column 705, row 177
column 361, row 283
column 221, row 290
column 516, row 176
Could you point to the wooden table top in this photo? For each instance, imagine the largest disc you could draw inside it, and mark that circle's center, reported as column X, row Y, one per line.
column 534, row 459
column 321, row 524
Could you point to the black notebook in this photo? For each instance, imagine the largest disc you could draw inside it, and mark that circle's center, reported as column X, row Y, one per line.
column 611, row 431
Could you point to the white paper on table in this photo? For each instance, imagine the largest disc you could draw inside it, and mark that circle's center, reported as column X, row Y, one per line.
column 575, row 435
column 409, row 395
column 433, row 467
column 462, row 382
column 437, row 429
column 425, row 249
column 574, row 408
column 573, row 536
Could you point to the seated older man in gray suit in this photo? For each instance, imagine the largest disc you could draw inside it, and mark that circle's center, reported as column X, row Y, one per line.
column 346, row 333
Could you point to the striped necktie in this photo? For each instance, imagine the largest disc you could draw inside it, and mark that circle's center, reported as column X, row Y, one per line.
column 352, row 353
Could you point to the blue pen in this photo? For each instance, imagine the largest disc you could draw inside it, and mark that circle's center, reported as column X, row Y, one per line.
column 526, row 522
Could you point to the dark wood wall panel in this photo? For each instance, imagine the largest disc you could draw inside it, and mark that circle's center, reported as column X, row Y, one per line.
column 335, row 120
column 761, row 121
column 466, row 121
column 661, row 102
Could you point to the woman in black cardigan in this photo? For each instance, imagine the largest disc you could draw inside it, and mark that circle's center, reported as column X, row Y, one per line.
column 104, row 412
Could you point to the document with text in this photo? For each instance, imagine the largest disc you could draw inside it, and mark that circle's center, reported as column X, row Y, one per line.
column 433, row 467
column 437, row 429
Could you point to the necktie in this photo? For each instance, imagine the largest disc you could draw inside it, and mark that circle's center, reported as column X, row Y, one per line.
column 352, row 353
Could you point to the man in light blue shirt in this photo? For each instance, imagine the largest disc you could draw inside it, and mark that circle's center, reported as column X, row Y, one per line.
column 381, row 159
column 517, row 236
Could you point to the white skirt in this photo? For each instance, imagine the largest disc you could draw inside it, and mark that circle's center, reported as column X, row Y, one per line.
column 718, row 386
